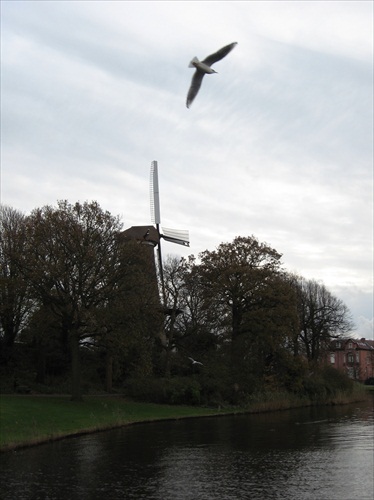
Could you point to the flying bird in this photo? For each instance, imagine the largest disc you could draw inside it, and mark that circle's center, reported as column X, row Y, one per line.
column 203, row 67
column 195, row 362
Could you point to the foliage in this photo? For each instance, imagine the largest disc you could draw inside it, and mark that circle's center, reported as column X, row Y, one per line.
column 130, row 320
column 243, row 282
column 177, row 390
column 291, row 373
column 16, row 303
column 325, row 383
column 81, row 298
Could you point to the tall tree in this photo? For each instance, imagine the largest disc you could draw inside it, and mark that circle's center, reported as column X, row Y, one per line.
column 242, row 284
column 200, row 329
column 16, row 304
column 131, row 319
column 322, row 317
column 74, row 268
column 173, row 284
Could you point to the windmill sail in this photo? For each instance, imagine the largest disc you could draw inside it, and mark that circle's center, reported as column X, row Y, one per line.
column 176, row 236
column 172, row 235
column 155, row 194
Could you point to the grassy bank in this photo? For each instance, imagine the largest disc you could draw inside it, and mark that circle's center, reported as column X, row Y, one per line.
column 32, row 419
column 27, row 420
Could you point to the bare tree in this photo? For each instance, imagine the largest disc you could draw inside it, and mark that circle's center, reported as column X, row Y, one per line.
column 322, row 317
column 173, row 289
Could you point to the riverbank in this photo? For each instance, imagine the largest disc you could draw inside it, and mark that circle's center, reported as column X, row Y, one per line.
column 27, row 420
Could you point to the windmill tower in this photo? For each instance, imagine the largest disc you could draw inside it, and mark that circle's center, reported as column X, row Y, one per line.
column 151, row 235
column 180, row 237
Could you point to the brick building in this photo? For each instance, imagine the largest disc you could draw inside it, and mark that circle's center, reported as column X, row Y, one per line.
column 353, row 356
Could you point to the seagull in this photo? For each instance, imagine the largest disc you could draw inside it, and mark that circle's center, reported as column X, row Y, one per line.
column 203, row 67
column 195, row 362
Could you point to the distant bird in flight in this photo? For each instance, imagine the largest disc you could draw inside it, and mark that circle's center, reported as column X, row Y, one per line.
column 195, row 362
column 203, row 67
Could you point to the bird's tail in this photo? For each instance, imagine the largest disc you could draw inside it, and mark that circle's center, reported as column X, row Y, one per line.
column 194, row 60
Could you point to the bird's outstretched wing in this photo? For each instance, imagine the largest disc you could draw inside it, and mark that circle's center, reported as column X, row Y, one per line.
column 195, row 86
column 220, row 54
column 195, row 362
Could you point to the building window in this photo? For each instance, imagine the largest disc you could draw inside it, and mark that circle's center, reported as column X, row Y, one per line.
column 338, row 345
column 332, row 358
column 357, row 357
column 350, row 345
column 350, row 358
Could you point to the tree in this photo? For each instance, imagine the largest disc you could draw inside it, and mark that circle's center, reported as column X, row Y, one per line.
column 73, row 265
column 200, row 330
column 128, row 322
column 322, row 317
column 244, row 286
column 16, row 304
column 173, row 284
column 47, row 345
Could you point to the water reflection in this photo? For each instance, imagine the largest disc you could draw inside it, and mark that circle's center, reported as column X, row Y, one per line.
column 324, row 454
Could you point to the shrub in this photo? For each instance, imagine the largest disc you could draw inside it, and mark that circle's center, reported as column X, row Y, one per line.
column 336, row 381
column 326, row 383
column 178, row 390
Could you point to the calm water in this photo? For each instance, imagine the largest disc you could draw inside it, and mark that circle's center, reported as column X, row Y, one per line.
column 317, row 454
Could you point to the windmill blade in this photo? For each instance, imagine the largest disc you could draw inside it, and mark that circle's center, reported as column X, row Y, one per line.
column 155, row 194
column 180, row 237
column 172, row 235
column 156, row 218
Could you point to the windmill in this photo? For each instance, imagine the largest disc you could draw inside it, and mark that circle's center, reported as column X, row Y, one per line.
column 180, row 237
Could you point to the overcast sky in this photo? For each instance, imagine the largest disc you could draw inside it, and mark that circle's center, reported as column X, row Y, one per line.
column 278, row 144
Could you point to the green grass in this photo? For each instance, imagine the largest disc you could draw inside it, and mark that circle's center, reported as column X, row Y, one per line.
column 26, row 420
column 32, row 419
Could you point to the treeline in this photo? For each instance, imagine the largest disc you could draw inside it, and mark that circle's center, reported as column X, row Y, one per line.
column 79, row 302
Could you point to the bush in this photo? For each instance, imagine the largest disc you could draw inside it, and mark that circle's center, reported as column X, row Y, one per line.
column 336, row 381
column 292, row 373
column 178, row 390
column 326, row 383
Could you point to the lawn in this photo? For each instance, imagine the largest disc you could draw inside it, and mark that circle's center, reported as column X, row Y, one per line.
column 28, row 420
column 33, row 419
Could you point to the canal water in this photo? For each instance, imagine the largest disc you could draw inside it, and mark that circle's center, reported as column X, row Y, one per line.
column 321, row 453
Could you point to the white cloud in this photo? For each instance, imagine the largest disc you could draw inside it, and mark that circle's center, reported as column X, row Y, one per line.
column 278, row 144
column 365, row 328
